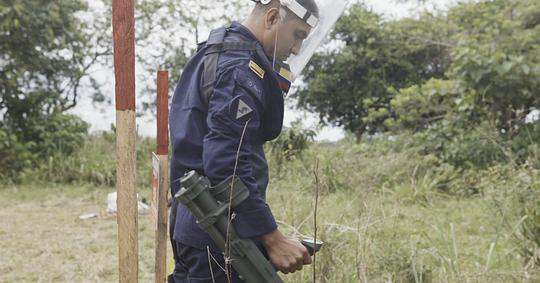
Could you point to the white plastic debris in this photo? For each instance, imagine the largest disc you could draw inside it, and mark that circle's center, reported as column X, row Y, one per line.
column 112, row 208
column 142, row 206
column 88, row 216
column 111, row 204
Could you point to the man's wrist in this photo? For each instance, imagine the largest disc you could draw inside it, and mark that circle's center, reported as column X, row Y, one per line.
column 272, row 237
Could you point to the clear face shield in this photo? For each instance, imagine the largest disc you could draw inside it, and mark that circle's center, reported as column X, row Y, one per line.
column 329, row 13
column 319, row 25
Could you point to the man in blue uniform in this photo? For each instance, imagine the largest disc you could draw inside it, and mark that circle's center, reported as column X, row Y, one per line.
column 227, row 104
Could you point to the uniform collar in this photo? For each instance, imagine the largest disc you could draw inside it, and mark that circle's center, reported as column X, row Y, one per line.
column 240, row 28
column 243, row 30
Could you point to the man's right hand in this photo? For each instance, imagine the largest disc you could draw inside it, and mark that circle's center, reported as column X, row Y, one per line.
column 286, row 254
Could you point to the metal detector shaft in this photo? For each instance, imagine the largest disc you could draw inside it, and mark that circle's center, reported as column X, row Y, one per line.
column 210, row 207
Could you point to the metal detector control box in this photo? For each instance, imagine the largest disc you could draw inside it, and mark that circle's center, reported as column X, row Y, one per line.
column 210, row 206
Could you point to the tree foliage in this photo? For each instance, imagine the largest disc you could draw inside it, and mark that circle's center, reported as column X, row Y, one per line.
column 491, row 85
column 45, row 53
column 478, row 62
column 497, row 59
column 352, row 85
column 167, row 33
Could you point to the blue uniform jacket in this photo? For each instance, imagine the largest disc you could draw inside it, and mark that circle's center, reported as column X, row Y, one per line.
column 247, row 99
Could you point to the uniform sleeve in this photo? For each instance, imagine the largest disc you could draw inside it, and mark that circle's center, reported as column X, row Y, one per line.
column 234, row 116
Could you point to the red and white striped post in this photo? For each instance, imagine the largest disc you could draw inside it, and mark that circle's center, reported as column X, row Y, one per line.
column 162, row 152
column 124, row 72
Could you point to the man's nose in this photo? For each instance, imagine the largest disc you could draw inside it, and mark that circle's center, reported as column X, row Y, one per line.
column 296, row 48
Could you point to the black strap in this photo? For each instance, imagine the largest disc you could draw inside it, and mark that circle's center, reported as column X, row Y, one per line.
column 236, row 46
column 209, row 77
column 216, row 36
column 215, row 45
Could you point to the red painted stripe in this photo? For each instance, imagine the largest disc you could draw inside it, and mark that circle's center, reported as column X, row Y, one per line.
column 124, row 53
column 162, row 113
column 285, row 86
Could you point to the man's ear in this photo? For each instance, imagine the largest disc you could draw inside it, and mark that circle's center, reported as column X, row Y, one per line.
column 272, row 17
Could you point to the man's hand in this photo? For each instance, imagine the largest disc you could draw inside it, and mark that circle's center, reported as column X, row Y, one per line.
column 287, row 254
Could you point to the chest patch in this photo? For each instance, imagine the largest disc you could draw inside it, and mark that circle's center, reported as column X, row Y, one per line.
column 256, row 69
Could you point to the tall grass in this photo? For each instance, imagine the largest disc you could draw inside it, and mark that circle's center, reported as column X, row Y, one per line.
column 390, row 214
column 388, row 211
column 94, row 163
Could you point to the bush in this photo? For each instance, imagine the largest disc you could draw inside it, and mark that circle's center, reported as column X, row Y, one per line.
column 46, row 139
column 291, row 143
column 14, row 156
column 94, row 162
column 525, row 144
column 529, row 231
column 463, row 148
column 59, row 134
column 479, row 147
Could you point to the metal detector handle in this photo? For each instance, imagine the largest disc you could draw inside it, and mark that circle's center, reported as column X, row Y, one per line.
column 312, row 246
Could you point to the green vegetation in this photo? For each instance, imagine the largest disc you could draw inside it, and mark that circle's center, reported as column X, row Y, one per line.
column 387, row 211
column 92, row 163
column 47, row 51
column 479, row 62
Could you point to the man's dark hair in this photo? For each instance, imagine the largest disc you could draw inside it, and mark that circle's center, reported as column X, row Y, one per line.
column 310, row 5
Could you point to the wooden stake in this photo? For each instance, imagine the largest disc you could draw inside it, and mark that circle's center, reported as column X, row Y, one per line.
column 162, row 113
column 162, row 152
column 124, row 71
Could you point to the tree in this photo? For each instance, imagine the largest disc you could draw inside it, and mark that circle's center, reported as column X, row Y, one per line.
column 352, row 85
column 167, row 34
column 494, row 74
column 491, row 85
column 497, row 59
column 44, row 57
column 478, row 62
column 45, row 54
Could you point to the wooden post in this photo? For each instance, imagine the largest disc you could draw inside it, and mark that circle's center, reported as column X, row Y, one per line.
column 162, row 113
column 162, row 153
column 124, row 71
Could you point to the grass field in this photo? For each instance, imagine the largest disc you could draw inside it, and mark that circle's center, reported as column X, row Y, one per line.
column 43, row 239
column 383, row 218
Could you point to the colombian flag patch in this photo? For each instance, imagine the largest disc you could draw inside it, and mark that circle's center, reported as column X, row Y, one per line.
column 285, row 78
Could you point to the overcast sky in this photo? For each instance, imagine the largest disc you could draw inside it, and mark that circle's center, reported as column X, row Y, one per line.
column 101, row 118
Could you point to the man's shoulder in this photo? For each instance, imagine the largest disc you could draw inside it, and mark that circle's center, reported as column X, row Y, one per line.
column 244, row 58
column 248, row 74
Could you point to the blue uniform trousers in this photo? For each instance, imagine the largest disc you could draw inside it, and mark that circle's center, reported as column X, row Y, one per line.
column 193, row 266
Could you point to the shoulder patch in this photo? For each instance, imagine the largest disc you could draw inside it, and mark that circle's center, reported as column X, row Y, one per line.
column 256, row 69
column 243, row 109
